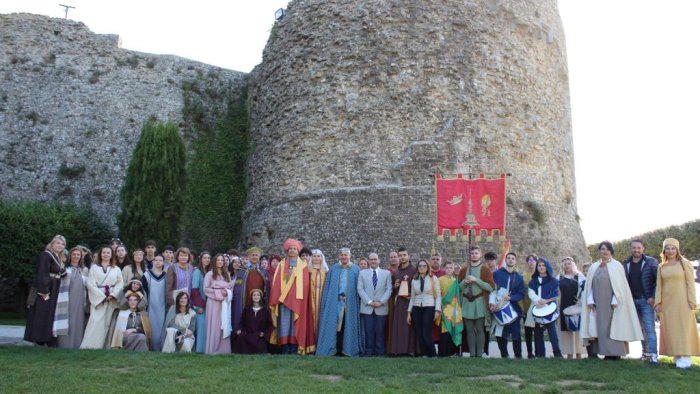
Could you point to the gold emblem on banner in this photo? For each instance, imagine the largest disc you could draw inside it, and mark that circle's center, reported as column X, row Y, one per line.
column 485, row 204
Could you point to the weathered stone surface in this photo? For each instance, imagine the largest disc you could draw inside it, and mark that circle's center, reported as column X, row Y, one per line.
column 72, row 104
column 357, row 104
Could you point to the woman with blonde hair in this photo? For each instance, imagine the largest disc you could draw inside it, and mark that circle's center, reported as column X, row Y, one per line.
column 318, row 269
column 570, row 281
column 675, row 302
column 43, row 295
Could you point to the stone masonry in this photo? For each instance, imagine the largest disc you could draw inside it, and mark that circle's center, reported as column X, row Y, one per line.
column 354, row 108
column 72, row 104
column 356, row 104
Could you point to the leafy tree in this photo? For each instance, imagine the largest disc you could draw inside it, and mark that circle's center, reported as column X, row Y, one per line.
column 688, row 234
column 154, row 188
column 26, row 227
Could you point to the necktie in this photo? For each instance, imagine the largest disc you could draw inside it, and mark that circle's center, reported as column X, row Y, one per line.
column 374, row 278
column 422, row 283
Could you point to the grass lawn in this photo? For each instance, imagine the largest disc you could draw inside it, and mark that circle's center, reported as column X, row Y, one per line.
column 11, row 319
column 29, row 369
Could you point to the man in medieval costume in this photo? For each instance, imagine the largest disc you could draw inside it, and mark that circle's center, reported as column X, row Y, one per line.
column 290, row 303
column 339, row 320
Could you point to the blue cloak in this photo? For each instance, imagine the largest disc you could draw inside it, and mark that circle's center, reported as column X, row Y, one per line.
column 550, row 284
column 353, row 343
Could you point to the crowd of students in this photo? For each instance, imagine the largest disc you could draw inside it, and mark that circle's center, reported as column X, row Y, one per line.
column 298, row 304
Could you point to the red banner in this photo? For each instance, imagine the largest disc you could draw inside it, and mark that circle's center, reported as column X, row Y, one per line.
column 471, row 204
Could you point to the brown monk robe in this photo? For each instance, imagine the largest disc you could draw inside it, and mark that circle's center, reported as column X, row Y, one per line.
column 402, row 339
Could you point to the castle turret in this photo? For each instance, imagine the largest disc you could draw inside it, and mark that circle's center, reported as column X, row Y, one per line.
column 356, row 104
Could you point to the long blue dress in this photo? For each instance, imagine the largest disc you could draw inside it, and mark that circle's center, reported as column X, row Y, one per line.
column 154, row 286
column 201, row 331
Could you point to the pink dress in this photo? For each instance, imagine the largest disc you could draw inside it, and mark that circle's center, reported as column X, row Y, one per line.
column 215, row 291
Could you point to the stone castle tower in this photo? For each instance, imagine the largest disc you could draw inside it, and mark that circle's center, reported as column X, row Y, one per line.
column 356, row 104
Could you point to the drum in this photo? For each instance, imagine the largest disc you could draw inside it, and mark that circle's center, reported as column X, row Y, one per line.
column 572, row 314
column 505, row 313
column 546, row 314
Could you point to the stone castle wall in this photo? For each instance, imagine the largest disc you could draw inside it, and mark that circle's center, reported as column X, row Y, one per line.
column 356, row 105
column 354, row 108
column 72, row 104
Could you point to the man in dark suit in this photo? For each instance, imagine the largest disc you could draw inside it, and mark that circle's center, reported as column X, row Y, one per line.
column 374, row 288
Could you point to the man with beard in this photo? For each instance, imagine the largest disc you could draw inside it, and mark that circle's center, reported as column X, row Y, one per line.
column 475, row 284
column 256, row 277
column 436, row 265
column 402, row 339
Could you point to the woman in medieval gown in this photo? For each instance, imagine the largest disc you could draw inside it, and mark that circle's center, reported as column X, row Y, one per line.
column 154, row 287
column 253, row 333
column 47, row 282
column 74, row 284
column 217, row 287
column 199, row 300
column 180, row 326
column 105, row 281
column 318, row 269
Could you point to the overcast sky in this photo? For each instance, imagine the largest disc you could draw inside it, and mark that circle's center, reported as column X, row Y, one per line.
column 633, row 68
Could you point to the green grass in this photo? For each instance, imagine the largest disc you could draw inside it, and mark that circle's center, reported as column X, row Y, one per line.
column 11, row 319
column 28, row 369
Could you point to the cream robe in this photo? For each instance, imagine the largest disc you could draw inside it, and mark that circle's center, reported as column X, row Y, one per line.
column 625, row 323
column 101, row 312
column 679, row 333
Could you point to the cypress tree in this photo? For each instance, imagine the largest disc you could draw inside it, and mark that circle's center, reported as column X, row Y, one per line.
column 154, row 187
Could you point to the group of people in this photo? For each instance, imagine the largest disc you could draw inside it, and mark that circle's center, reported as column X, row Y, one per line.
column 299, row 304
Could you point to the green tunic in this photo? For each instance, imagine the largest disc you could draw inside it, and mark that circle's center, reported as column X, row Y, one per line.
column 474, row 309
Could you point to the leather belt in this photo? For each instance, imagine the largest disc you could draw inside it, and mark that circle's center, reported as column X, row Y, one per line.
column 473, row 297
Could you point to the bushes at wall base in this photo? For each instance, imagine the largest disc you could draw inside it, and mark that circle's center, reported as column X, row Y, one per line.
column 27, row 226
